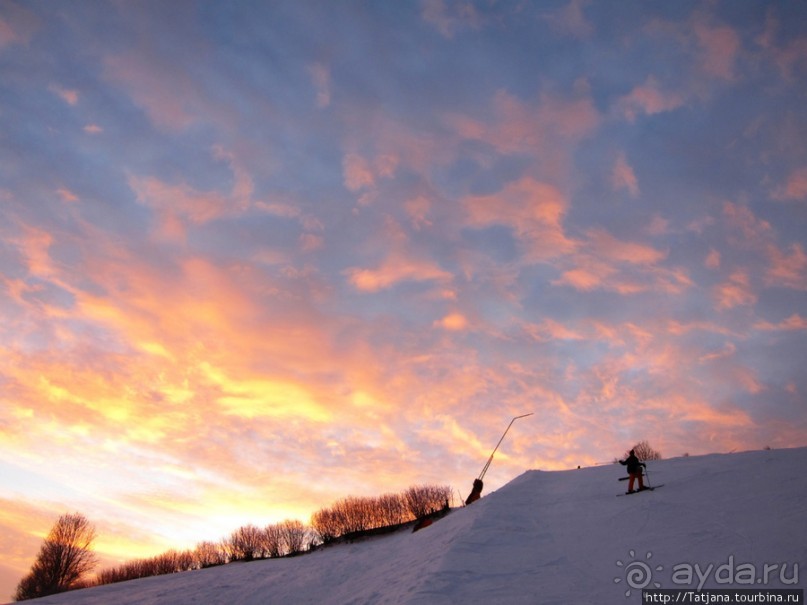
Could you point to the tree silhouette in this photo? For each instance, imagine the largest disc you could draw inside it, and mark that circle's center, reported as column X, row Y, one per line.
column 64, row 557
column 644, row 451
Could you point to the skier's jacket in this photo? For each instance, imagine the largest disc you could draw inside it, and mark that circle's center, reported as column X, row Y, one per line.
column 633, row 464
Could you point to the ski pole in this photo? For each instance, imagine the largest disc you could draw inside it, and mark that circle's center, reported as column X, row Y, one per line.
column 487, row 464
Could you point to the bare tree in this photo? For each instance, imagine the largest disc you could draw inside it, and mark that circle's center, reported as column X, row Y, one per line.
column 392, row 510
column 423, row 500
column 209, row 554
column 64, row 557
column 325, row 523
column 246, row 543
column 294, row 536
column 644, row 451
column 273, row 540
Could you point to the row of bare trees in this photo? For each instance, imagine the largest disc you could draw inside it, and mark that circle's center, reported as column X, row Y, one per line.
column 65, row 558
column 249, row 542
column 355, row 515
column 244, row 544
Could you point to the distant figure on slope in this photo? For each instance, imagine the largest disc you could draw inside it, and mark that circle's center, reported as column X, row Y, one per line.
column 634, row 471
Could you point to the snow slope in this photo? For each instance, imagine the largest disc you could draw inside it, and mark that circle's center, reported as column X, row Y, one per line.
column 546, row 537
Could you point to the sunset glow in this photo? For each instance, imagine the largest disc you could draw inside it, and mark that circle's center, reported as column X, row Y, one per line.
column 255, row 257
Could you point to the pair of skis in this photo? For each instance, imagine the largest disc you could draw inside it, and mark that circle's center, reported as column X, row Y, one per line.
column 648, row 488
column 645, row 489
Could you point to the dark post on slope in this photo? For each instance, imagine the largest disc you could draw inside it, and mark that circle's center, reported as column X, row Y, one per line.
column 476, row 491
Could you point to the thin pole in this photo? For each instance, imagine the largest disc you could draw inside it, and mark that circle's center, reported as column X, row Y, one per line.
column 487, row 464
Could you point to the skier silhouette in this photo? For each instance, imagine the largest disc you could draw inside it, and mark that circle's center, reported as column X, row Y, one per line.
column 634, row 471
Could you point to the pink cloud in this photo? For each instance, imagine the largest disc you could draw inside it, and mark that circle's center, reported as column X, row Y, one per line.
column 321, row 79
column 167, row 95
column 69, row 96
column 518, row 127
column 17, row 25
column 753, row 231
column 720, row 46
column 787, row 270
column 727, row 351
column 734, row 292
column 793, row 323
column 551, row 330
column 712, row 259
column 395, row 269
column 795, row 188
column 357, row 172
column 449, row 16
column 648, row 99
column 7, row 34
column 418, row 209
column 625, row 267
column 66, row 195
column 179, row 205
column 588, row 274
column 623, row 177
column 309, row 242
column 534, row 210
column 34, row 244
column 605, row 245
column 570, row 19
column 788, row 58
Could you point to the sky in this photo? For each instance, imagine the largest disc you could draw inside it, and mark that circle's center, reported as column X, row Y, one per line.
column 256, row 257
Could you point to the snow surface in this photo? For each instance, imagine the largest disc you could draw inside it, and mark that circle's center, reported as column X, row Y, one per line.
column 546, row 537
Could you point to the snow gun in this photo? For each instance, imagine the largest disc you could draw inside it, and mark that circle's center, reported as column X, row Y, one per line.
column 476, row 490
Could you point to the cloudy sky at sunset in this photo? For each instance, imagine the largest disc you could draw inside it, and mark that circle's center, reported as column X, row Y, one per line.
column 258, row 256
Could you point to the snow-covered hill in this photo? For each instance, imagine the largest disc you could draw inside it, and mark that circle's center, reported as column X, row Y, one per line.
column 546, row 537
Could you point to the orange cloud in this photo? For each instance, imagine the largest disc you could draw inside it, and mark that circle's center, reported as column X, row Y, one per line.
column 453, row 322
column 254, row 397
